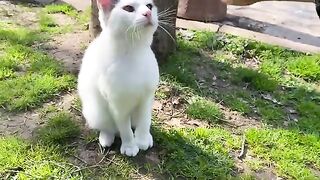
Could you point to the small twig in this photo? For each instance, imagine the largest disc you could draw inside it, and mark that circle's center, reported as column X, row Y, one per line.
column 220, row 26
column 82, row 160
column 75, row 108
column 243, row 148
column 111, row 160
column 95, row 165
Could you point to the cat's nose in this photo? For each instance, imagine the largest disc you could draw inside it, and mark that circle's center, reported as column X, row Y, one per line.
column 147, row 14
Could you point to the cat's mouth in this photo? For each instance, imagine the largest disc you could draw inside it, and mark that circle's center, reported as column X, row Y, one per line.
column 149, row 23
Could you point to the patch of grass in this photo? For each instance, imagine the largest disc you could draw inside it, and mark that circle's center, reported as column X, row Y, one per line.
column 46, row 22
column 31, row 75
column 31, row 90
column 121, row 168
column 204, row 110
column 22, row 160
column 19, row 36
column 47, row 110
column 179, row 66
column 61, row 8
column 92, row 136
column 82, row 18
column 48, row 25
column 196, row 153
column 293, row 154
column 255, row 164
column 270, row 113
column 272, row 68
column 237, row 104
column 309, row 117
column 77, row 103
column 309, row 109
column 256, row 80
column 59, row 129
column 307, row 67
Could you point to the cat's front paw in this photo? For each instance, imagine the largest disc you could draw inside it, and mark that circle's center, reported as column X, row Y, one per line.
column 129, row 149
column 144, row 141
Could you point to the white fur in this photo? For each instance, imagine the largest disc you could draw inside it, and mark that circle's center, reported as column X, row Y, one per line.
column 118, row 77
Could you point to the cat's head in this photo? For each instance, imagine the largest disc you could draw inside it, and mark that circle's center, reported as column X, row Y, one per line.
column 135, row 18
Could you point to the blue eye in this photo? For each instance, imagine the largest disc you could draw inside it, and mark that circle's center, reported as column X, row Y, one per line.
column 128, row 8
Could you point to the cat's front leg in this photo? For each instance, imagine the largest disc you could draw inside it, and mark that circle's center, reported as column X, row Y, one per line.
column 128, row 145
column 141, row 118
column 123, row 123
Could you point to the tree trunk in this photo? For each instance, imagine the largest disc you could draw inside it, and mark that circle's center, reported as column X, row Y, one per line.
column 163, row 44
column 94, row 26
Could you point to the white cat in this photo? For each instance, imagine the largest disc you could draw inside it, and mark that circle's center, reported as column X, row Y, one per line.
column 119, row 75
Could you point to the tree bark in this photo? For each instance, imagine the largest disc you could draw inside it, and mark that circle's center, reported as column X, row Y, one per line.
column 94, row 26
column 163, row 44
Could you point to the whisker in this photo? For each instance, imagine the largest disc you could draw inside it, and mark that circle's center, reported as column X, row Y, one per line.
column 167, row 10
column 167, row 14
column 167, row 24
column 164, row 29
column 166, row 21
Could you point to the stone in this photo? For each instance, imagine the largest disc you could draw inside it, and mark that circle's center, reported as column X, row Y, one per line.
column 202, row 10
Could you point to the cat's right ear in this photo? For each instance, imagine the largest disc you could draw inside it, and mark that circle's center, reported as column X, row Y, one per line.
column 106, row 4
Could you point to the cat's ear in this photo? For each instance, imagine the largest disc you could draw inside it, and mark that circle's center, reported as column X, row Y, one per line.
column 106, row 4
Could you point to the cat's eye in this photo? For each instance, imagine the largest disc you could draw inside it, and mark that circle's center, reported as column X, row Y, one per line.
column 128, row 8
column 149, row 6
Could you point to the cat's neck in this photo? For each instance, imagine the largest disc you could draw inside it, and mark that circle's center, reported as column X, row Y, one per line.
column 124, row 43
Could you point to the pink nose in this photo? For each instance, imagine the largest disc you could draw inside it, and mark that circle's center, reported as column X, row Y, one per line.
column 147, row 14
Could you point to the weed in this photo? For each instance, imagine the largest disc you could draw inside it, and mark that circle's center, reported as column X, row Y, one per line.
column 59, row 129
column 307, row 67
column 205, row 110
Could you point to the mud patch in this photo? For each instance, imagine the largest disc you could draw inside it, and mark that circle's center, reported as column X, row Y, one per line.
column 69, row 49
column 22, row 124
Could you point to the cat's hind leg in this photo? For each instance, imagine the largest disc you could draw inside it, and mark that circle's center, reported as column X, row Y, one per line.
column 98, row 117
column 106, row 138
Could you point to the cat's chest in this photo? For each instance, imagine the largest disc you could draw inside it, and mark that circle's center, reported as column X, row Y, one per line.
column 132, row 76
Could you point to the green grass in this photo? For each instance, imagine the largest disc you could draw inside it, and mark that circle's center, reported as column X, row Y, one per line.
column 82, row 18
column 256, row 80
column 237, row 103
column 307, row 67
column 204, row 110
column 196, row 153
column 289, row 77
column 22, row 160
column 208, row 68
column 20, row 36
column 293, row 154
column 32, row 76
column 59, row 129
column 61, row 8
column 48, row 25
